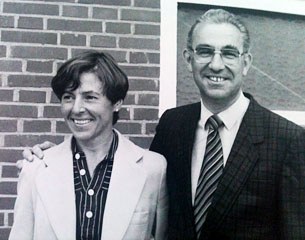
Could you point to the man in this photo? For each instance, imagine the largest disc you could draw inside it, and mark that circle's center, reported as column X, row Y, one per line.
column 250, row 181
column 77, row 191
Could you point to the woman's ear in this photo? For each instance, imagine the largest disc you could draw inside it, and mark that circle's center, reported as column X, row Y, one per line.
column 118, row 105
column 188, row 59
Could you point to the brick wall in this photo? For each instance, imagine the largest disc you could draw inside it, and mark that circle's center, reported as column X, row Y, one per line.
column 35, row 38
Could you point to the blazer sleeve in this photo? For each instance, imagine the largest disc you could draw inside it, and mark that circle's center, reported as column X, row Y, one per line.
column 160, row 231
column 23, row 226
column 292, row 195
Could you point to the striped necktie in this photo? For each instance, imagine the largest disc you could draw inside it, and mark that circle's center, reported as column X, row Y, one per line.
column 210, row 173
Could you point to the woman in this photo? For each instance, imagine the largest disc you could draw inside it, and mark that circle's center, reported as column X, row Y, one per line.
column 96, row 184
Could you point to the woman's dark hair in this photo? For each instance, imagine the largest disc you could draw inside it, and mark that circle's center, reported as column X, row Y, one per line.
column 113, row 79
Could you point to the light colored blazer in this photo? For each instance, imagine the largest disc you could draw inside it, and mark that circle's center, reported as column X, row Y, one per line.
column 136, row 206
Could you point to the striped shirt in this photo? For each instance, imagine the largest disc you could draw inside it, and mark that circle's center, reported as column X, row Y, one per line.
column 91, row 193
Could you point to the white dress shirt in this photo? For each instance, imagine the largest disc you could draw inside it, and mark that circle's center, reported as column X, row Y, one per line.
column 231, row 118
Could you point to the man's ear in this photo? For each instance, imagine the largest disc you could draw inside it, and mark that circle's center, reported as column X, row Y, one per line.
column 188, row 59
column 247, row 58
column 118, row 105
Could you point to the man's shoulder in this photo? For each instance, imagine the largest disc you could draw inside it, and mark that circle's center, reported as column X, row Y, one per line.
column 183, row 110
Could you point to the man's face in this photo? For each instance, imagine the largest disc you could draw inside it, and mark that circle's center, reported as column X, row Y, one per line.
column 219, row 82
column 87, row 112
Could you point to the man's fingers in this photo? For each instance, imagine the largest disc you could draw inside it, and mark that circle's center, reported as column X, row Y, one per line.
column 37, row 151
column 28, row 154
column 19, row 164
column 46, row 145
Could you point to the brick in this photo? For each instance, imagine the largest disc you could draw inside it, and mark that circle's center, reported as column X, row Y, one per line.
column 143, row 142
column 30, row 140
column 128, row 128
column 48, row 53
column 32, row 96
column 18, row 111
column 138, row 57
column 151, row 128
column 148, row 99
column 28, row 8
column 8, row 188
column 10, row 219
column 124, row 114
column 6, row 21
column 4, row 233
column 30, row 23
column 72, row 39
column 52, row 112
column 119, row 56
column 1, row 219
column 140, row 15
column 103, row 41
column 153, row 58
column 140, row 71
column 108, row 2
column 2, row 51
column 143, row 85
column 28, row 81
column 54, row 98
column 146, row 29
column 8, row 125
column 39, row 66
column 75, row 25
column 9, row 172
column 61, row 127
column 75, row 11
column 105, row 13
column 147, row 4
column 129, row 99
column 10, row 155
column 6, row 95
column 37, row 126
column 29, row 37
column 145, row 114
column 7, row 203
column 10, row 66
column 139, row 43
column 121, row 28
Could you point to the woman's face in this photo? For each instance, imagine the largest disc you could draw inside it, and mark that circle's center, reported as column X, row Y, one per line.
column 87, row 112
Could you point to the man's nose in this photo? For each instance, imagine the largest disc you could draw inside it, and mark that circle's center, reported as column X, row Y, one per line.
column 217, row 63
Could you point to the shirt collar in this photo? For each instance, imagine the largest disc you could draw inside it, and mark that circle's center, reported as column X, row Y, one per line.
column 230, row 116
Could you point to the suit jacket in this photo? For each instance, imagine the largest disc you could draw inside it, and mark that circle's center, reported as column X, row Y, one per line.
column 261, row 194
column 136, row 206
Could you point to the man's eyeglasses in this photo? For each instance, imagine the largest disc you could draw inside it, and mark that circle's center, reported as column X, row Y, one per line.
column 230, row 56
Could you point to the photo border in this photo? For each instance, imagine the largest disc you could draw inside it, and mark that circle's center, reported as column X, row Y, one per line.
column 168, row 44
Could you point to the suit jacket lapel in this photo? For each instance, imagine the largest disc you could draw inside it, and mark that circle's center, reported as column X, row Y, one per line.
column 185, row 137
column 126, row 184
column 55, row 185
column 241, row 161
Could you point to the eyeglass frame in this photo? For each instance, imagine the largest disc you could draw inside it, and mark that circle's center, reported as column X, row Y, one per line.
column 225, row 60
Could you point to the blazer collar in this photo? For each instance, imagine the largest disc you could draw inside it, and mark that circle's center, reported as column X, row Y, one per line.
column 241, row 161
column 126, row 184
column 55, row 186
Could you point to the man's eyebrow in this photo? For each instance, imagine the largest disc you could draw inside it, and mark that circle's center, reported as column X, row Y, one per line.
column 203, row 46
column 230, row 47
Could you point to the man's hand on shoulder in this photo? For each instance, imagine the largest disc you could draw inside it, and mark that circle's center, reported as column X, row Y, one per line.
column 37, row 150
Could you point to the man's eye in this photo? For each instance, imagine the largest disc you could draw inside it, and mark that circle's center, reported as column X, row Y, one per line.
column 229, row 53
column 205, row 52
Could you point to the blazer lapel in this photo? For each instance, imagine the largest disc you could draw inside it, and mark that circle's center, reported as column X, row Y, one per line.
column 185, row 141
column 55, row 185
column 241, row 161
column 126, row 184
